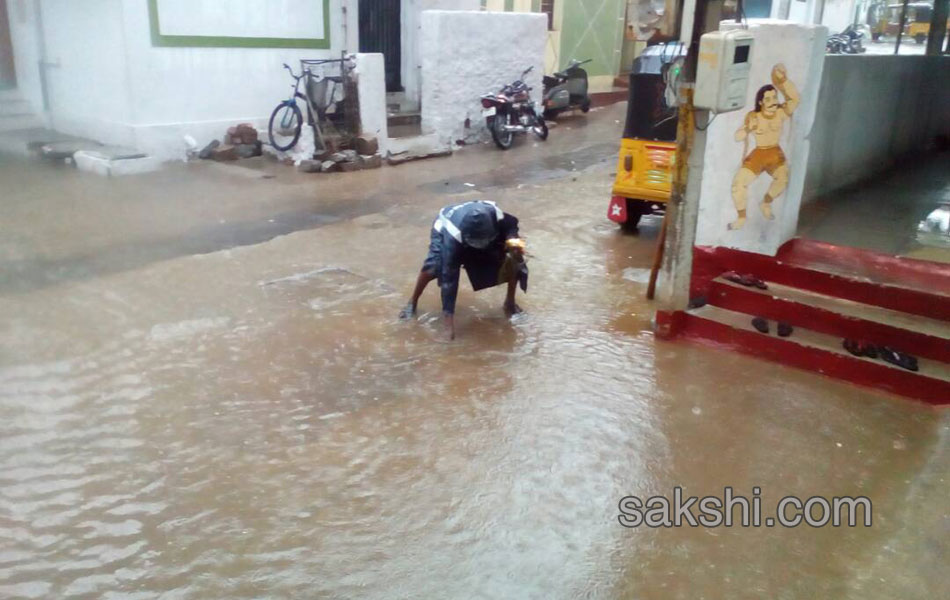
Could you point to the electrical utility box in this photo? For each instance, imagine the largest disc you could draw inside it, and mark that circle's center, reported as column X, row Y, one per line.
column 722, row 73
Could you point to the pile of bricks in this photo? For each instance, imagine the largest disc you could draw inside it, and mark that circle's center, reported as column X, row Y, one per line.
column 363, row 155
column 241, row 141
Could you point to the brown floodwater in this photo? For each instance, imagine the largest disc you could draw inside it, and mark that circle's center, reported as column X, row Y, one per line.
column 254, row 422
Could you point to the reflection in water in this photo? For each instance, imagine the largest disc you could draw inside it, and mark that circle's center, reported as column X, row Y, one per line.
column 265, row 427
column 935, row 229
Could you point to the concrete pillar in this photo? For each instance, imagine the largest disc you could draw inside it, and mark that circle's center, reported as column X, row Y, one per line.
column 938, row 26
column 371, row 89
column 683, row 207
column 741, row 168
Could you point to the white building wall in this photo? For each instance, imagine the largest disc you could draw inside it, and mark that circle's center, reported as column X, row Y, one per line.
column 24, row 36
column 410, row 39
column 838, row 14
column 834, row 14
column 873, row 111
column 87, row 80
column 801, row 49
column 108, row 82
column 461, row 61
column 202, row 91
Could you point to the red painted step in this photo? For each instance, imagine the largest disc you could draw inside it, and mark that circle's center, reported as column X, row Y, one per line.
column 914, row 334
column 815, row 351
column 886, row 289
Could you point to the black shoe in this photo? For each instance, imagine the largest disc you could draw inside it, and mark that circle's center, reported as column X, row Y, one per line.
column 784, row 329
column 760, row 324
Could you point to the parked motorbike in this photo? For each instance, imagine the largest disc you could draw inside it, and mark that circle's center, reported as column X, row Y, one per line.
column 566, row 90
column 849, row 41
column 512, row 111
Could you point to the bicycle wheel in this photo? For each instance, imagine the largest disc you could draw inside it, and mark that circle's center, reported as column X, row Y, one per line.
column 285, row 123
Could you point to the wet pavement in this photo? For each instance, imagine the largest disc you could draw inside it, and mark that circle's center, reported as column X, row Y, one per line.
column 888, row 213
column 205, row 393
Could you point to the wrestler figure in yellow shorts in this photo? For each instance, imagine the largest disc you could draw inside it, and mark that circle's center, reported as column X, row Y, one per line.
column 765, row 123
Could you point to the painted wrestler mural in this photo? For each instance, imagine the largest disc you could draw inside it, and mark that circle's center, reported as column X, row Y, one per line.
column 765, row 124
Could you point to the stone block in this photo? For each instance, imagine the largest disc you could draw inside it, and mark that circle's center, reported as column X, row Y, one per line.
column 224, row 152
column 367, row 144
column 329, row 166
column 371, row 162
column 208, row 150
column 309, row 166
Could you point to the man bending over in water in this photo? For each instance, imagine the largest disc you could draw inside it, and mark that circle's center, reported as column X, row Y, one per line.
column 483, row 239
column 765, row 123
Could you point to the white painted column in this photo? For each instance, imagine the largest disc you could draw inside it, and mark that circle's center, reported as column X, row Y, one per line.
column 801, row 49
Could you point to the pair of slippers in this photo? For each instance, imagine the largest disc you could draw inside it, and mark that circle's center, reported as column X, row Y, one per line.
column 762, row 326
column 885, row 353
column 747, row 280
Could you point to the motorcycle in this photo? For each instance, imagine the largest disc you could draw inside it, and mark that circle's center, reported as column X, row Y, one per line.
column 512, row 111
column 849, row 41
column 566, row 90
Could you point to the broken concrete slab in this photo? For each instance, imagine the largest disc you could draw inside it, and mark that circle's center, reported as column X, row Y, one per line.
column 91, row 161
column 419, row 145
column 28, row 142
column 309, row 166
column 66, row 149
column 116, row 153
column 405, row 157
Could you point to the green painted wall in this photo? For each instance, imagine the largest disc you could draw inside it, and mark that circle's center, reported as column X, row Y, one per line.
column 593, row 29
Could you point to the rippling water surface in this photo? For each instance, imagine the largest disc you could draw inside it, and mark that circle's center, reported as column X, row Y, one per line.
column 255, row 423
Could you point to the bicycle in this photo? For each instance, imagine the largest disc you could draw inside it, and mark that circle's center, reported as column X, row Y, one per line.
column 287, row 115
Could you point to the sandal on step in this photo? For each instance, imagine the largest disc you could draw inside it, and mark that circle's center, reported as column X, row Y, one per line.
column 900, row 359
column 760, row 324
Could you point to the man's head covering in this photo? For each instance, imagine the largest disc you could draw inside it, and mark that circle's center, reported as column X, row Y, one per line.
column 478, row 227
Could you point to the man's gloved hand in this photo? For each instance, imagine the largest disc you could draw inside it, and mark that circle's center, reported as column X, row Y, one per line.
column 516, row 246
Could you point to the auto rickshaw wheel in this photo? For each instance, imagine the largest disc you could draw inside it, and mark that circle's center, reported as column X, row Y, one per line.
column 920, row 38
column 585, row 105
column 635, row 210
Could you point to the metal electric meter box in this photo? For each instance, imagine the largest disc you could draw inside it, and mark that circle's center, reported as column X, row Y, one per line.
column 722, row 72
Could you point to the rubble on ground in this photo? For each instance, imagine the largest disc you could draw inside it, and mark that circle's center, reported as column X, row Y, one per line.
column 339, row 154
column 343, row 155
column 240, row 141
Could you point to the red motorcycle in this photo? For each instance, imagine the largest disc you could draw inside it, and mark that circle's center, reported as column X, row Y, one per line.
column 512, row 111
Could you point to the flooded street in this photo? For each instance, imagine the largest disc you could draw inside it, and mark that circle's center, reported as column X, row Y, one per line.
column 205, row 393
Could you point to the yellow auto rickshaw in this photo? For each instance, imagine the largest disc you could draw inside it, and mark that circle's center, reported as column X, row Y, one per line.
column 917, row 25
column 648, row 149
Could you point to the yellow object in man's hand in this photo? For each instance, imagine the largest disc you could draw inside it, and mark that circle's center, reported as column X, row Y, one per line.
column 516, row 244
